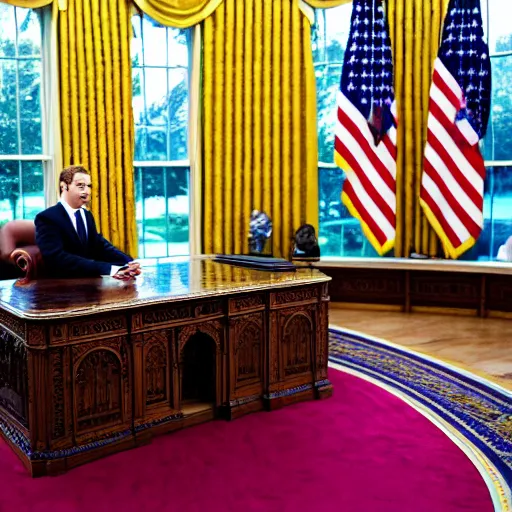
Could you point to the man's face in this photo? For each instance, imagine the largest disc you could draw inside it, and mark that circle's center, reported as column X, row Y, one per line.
column 78, row 192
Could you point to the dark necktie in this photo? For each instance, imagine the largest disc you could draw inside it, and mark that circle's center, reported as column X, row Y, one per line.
column 80, row 227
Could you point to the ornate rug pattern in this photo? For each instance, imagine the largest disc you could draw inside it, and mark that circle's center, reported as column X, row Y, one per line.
column 479, row 412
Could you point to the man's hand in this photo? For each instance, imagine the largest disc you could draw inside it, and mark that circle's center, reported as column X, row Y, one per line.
column 129, row 272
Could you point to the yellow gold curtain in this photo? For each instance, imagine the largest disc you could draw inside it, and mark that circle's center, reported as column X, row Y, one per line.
column 178, row 13
column 415, row 27
column 260, row 135
column 96, row 111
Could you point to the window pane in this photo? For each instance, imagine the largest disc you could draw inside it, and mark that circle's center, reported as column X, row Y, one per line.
column 332, row 28
column 136, row 41
column 20, row 81
column 9, row 190
column 155, row 89
column 33, row 189
column 7, row 31
column 498, row 140
column 340, row 234
column 160, row 92
column 140, row 142
column 162, row 210
column 151, row 114
column 21, row 190
column 178, row 47
column 155, row 143
column 177, row 114
column 30, row 107
column 29, row 33
column 501, row 207
column 497, row 215
column 500, row 30
column 8, row 109
column 154, row 39
column 138, row 112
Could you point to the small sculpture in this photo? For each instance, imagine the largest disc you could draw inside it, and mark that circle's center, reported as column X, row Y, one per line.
column 260, row 228
column 306, row 245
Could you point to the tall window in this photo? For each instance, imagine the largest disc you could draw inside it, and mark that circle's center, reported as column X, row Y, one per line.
column 160, row 59
column 497, row 145
column 340, row 234
column 24, row 158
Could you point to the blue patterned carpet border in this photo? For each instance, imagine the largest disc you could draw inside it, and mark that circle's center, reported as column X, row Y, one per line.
column 482, row 414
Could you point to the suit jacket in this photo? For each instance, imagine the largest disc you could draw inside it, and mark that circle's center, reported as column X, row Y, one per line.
column 63, row 252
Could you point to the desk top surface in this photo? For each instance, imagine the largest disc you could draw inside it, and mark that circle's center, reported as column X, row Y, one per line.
column 162, row 280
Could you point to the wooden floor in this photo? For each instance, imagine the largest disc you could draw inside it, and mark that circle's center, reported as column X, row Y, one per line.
column 482, row 346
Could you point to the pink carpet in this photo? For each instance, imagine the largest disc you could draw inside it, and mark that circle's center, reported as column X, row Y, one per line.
column 361, row 450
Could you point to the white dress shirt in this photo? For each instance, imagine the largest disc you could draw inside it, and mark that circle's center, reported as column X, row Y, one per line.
column 71, row 212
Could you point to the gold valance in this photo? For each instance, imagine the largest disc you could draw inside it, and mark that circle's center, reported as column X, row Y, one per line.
column 325, row 4
column 178, row 13
column 34, row 4
column 31, row 4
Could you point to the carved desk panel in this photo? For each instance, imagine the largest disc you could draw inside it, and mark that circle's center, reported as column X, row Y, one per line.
column 90, row 367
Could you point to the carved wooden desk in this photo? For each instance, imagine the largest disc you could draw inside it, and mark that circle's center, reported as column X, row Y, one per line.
column 94, row 366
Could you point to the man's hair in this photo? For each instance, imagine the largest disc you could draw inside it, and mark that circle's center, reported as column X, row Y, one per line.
column 69, row 172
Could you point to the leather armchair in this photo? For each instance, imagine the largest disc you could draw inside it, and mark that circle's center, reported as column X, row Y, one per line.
column 18, row 247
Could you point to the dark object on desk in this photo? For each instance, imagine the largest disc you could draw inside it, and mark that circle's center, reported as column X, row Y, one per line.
column 257, row 262
column 306, row 245
column 260, row 229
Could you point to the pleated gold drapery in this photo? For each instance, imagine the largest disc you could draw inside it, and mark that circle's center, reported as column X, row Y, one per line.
column 260, row 135
column 96, row 109
column 415, row 27
column 178, row 13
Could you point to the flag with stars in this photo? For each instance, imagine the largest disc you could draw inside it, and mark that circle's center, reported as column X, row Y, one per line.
column 452, row 184
column 365, row 136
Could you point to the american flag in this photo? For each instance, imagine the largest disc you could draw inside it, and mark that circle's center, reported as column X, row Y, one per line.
column 452, row 185
column 365, row 134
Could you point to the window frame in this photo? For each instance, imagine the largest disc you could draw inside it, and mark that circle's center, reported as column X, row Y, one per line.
column 165, row 165
column 192, row 163
column 489, row 164
column 49, row 115
column 492, row 164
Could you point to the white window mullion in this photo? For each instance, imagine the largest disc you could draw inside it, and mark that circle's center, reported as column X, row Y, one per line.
column 52, row 144
column 26, row 158
column 195, row 143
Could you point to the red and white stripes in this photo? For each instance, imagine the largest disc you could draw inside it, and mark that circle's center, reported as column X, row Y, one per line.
column 369, row 191
column 452, row 183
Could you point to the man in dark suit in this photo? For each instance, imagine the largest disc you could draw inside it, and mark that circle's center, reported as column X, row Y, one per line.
column 67, row 237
